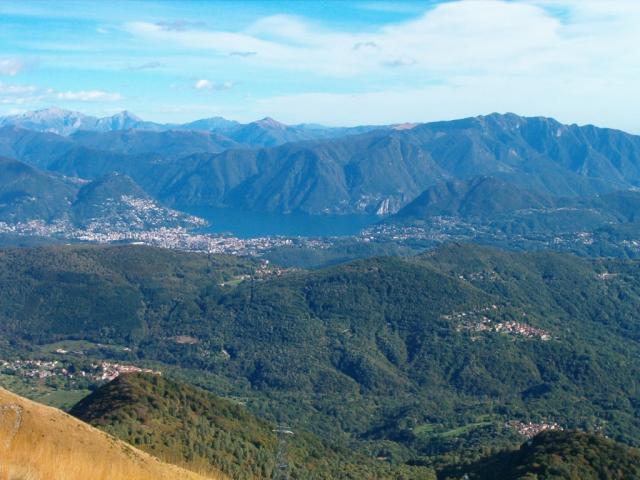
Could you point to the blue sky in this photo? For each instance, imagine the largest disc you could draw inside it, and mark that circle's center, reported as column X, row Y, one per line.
column 332, row 62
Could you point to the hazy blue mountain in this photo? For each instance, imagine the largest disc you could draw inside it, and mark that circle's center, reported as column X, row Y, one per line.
column 111, row 202
column 261, row 133
column 28, row 194
column 269, row 132
column 383, row 170
column 65, row 122
column 166, row 143
column 53, row 120
column 36, row 148
column 379, row 171
column 479, row 197
column 497, row 206
column 211, row 124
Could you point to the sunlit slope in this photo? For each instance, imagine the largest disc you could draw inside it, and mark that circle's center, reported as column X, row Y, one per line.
column 42, row 443
column 185, row 425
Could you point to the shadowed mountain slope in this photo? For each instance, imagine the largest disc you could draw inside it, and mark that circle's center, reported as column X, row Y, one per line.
column 480, row 197
column 29, row 194
column 557, row 455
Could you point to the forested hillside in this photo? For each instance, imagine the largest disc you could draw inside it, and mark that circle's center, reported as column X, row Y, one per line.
column 185, row 425
column 407, row 359
column 559, row 456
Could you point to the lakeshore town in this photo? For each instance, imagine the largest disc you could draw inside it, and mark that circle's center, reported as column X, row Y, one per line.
column 189, row 238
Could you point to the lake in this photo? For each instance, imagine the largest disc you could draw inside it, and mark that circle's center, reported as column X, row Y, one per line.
column 245, row 224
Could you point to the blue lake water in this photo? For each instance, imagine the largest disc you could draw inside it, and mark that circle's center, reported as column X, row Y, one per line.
column 245, row 224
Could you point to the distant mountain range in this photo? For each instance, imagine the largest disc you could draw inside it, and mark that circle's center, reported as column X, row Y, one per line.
column 266, row 132
column 481, row 167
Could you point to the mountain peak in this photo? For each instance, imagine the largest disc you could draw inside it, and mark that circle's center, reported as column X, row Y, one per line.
column 49, row 113
column 268, row 122
column 126, row 114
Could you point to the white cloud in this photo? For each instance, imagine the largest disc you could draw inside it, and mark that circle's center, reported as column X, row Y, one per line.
column 453, row 37
column 573, row 59
column 89, row 96
column 11, row 66
column 459, row 38
column 21, row 94
column 204, row 84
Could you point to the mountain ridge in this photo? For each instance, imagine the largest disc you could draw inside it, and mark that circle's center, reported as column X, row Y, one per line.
column 262, row 132
column 376, row 172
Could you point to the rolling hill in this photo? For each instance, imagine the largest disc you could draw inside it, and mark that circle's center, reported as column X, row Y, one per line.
column 186, row 425
column 41, row 442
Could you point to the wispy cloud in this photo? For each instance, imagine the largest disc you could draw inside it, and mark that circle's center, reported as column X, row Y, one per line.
column 145, row 66
column 89, row 96
column 19, row 94
column 446, row 39
column 11, row 66
column 399, row 62
column 365, row 45
column 242, row 54
column 6, row 89
column 422, row 60
column 22, row 94
column 179, row 25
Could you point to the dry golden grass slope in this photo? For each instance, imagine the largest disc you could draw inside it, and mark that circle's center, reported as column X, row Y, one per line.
column 43, row 443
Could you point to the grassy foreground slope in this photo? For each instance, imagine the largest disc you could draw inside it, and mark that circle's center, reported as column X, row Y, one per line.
column 42, row 443
column 186, row 425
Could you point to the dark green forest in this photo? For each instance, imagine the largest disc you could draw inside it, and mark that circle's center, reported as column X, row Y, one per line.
column 420, row 361
column 185, row 425
column 568, row 455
